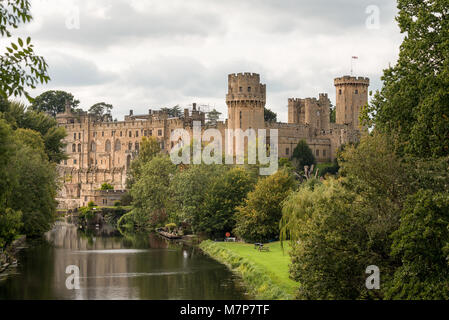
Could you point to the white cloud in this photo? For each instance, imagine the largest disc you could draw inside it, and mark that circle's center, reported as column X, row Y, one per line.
column 140, row 54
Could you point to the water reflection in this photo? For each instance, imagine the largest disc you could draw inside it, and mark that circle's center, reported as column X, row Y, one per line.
column 114, row 267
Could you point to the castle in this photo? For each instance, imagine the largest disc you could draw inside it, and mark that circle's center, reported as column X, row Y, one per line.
column 101, row 151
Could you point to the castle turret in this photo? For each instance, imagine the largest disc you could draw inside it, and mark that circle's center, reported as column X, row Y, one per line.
column 246, row 100
column 352, row 95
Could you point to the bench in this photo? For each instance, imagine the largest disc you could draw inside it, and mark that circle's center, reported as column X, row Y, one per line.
column 230, row 239
column 257, row 245
column 261, row 247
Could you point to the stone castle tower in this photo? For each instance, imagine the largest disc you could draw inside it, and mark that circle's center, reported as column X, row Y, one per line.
column 310, row 111
column 352, row 95
column 246, row 100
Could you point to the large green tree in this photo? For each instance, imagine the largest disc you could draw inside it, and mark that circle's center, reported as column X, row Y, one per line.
column 20, row 67
column 340, row 228
column 149, row 148
column 174, row 112
column 422, row 245
column 223, row 196
column 213, row 116
column 54, row 102
column 28, row 181
column 302, row 156
column 151, row 193
column 18, row 116
column 413, row 103
column 257, row 220
column 102, row 111
column 269, row 116
column 35, row 187
column 189, row 188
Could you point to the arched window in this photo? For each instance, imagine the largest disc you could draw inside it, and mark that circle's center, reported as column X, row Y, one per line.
column 93, row 147
column 73, row 147
column 128, row 161
column 79, row 148
column 137, row 146
column 118, row 145
column 130, row 146
column 107, row 146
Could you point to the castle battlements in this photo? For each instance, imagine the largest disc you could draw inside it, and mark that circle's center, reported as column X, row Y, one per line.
column 101, row 150
column 244, row 76
column 345, row 80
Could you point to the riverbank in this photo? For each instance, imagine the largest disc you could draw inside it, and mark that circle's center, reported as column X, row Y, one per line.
column 265, row 274
column 8, row 256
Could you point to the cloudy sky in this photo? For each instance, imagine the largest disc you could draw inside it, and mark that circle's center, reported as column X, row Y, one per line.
column 142, row 54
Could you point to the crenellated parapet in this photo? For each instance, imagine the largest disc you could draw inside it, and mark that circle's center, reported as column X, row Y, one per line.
column 352, row 94
column 349, row 80
column 246, row 87
column 246, row 99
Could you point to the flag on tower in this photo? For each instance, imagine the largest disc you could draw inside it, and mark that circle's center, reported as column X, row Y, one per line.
column 354, row 57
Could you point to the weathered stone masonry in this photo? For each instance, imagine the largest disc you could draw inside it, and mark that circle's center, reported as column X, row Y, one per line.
column 101, row 151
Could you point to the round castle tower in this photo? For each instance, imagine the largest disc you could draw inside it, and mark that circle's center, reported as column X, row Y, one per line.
column 246, row 100
column 352, row 95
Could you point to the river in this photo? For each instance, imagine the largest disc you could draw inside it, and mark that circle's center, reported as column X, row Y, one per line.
column 115, row 267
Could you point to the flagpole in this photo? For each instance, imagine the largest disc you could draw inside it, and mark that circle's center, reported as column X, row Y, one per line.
column 351, row 66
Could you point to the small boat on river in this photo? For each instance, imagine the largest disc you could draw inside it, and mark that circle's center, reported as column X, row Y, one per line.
column 168, row 235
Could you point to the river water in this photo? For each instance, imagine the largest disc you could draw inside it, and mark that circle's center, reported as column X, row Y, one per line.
column 114, row 267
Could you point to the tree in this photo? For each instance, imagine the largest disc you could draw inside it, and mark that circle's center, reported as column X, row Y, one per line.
column 213, row 116
column 339, row 228
column 269, row 115
column 10, row 226
column 413, row 103
column 7, row 150
column 223, row 196
column 422, row 245
column 174, row 112
column 20, row 117
column 151, row 193
column 102, row 111
column 20, row 67
column 106, row 186
column 330, row 243
column 189, row 188
column 258, row 219
column 54, row 102
column 149, row 148
column 302, row 156
column 33, row 183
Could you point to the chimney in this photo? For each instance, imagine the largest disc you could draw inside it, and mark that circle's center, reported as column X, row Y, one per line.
column 131, row 112
column 194, row 106
column 150, row 112
column 186, row 113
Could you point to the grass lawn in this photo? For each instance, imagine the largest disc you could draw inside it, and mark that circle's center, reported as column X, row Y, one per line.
column 275, row 261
